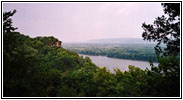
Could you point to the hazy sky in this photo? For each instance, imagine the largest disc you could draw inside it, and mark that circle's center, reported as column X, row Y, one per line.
column 78, row 22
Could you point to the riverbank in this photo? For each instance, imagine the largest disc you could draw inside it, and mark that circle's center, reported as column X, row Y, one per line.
column 113, row 63
column 119, row 57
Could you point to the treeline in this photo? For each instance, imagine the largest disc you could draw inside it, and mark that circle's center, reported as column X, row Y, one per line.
column 33, row 68
column 142, row 52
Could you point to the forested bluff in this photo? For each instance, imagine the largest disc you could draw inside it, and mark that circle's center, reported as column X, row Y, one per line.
column 32, row 67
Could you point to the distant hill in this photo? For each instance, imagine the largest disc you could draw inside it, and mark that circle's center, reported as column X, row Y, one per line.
column 120, row 40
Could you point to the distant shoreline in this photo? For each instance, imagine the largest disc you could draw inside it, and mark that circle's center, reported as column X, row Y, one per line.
column 116, row 57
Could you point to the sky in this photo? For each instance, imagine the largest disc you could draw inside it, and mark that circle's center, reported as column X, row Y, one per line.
column 82, row 21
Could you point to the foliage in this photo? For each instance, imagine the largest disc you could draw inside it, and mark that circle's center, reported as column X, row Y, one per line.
column 35, row 68
column 47, row 40
column 165, row 29
column 166, row 76
column 32, row 68
column 143, row 52
column 7, row 21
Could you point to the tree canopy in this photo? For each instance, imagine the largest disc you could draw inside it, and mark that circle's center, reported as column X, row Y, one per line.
column 7, row 21
column 165, row 30
column 32, row 68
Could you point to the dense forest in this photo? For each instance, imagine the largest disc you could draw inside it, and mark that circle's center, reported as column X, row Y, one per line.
column 33, row 68
column 133, row 51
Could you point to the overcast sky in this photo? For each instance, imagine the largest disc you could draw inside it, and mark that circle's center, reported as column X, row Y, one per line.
column 78, row 22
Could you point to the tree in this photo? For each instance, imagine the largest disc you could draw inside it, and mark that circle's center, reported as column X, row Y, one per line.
column 165, row 30
column 164, row 80
column 7, row 22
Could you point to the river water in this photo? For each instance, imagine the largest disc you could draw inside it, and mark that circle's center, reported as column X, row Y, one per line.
column 122, row 64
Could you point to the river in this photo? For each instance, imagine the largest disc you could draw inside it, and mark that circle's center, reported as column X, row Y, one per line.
column 122, row 64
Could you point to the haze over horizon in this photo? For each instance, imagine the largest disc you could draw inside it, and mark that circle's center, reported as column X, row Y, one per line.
column 80, row 22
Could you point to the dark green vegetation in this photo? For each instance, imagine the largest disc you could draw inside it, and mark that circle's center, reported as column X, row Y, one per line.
column 31, row 67
column 143, row 52
column 165, row 30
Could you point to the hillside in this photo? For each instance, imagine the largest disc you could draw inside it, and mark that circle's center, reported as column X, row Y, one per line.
column 33, row 68
column 41, row 67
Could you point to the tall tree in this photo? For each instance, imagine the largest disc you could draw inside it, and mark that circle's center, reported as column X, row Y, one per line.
column 165, row 30
column 7, row 21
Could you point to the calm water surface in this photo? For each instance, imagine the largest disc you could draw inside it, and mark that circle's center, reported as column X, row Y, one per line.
column 122, row 64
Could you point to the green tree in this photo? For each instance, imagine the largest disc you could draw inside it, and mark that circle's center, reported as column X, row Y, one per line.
column 166, row 30
column 7, row 21
column 164, row 80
